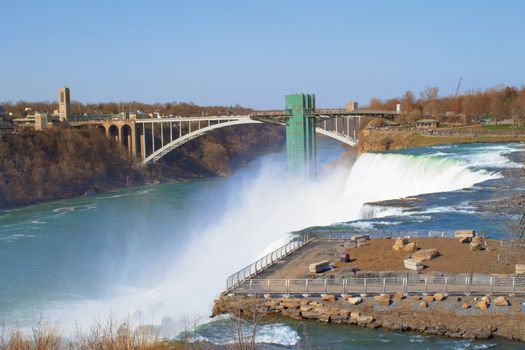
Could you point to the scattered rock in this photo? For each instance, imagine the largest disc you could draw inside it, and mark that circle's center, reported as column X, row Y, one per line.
column 306, row 308
column 477, row 239
column 501, row 301
column 439, row 296
column 338, row 319
column 383, row 300
column 329, row 297
column 482, row 305
column 464, row 240
column 365, row 320
column 355, row 300
column 399, row 296
column 425, row 254
column 474, row 246
column 399, row 244
column 354, row 315
column 410, row 247
column 428, row 299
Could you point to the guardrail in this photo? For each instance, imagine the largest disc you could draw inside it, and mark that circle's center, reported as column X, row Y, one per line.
column 266, row 261
column 456, row 285
column 331, row 235
column 250, row 271
column 254, row 268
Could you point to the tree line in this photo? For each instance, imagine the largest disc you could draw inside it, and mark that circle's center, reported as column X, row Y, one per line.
column 183, row 109
column 500, row 102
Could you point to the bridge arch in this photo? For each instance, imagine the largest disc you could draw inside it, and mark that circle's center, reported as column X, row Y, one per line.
column 161, row 152
column 350, row 141
column 125, row 135
column 113, row 133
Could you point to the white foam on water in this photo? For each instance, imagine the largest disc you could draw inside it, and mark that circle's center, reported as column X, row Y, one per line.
column 377, row 177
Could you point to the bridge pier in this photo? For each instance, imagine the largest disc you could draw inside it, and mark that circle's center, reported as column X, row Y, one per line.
column 300, row 134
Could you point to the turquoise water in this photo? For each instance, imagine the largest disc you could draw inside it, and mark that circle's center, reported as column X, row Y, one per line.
column 143, row 253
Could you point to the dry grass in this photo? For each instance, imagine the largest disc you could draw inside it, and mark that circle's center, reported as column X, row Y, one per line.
column 107, row 335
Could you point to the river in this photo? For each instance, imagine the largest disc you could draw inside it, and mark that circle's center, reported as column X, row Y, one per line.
column 160, row 254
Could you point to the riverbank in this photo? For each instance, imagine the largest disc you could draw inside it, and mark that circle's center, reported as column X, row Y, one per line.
column 384, row 140
column 462, row 317
column 64, row 162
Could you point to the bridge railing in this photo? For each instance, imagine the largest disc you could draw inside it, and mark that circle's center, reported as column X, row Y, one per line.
column 452, row 285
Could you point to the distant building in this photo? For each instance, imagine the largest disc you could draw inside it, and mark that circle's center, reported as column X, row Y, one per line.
column 64, row 104
column 41, row 121
column 351, row 106
column 425, row 124
column 5, row 126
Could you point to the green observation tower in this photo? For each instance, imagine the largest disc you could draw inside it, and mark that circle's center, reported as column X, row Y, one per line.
column 300, row 134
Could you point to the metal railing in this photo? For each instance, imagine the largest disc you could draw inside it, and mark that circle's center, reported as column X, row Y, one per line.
column 266, row 261
column 455, row 285
column 333, row 235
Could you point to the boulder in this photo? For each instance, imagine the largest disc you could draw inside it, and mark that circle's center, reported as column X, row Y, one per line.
column 482, row 305
column 464, row 240
column 354, row 315
column 383, row 300
column 464, row 233
column 477, row 239
column 439, row 296
column 412, row 264
column 425, row 254
column 329, row 297
column 354, row 300
column 410, row 247
column 399, row 296
column 423, row 305
column 428, row 299
column 306, row 308
column 338, row 319
column 474, row 246
column 365, row 320
column 320, row 266
column 465, row 306
column 290, row 305
column 501, row 301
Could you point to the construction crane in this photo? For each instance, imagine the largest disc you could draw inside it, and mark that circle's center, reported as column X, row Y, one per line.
column 457, row 88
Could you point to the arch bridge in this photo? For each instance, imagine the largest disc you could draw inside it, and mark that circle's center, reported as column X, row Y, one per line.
column 148, row 140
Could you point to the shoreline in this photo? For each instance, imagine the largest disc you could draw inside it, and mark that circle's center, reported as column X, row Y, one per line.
column 437, row 315
column 459, row 292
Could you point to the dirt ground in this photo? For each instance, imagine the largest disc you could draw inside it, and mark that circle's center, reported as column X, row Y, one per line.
column 378, row 255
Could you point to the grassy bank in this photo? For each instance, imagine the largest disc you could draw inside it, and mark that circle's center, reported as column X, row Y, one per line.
column 382, row 140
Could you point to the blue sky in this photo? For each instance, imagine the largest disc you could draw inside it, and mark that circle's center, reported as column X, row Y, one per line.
column 255, row 52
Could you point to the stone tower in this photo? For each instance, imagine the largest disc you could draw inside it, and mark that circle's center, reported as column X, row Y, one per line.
column 64, row 104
